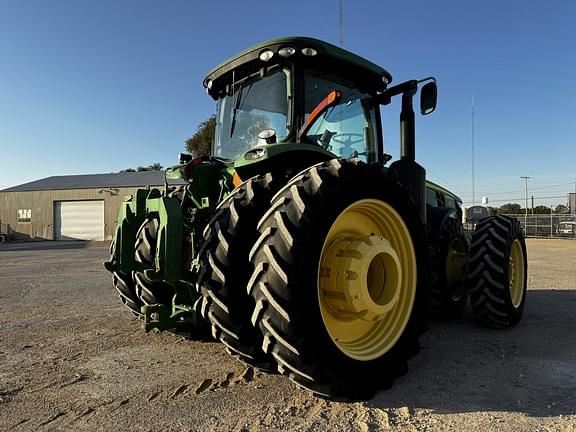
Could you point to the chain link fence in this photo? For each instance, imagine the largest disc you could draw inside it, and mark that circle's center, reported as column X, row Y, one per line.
column 552, row 225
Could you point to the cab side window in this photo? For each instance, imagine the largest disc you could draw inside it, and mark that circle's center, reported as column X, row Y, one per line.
column 441, row 199
column 431, row 199
column 450, row 202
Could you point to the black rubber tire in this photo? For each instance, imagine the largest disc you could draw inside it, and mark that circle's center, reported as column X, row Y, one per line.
column 225, row 270
column 490, row 294
column 284, row 283
column 124, row 284
column 447, row 238
column 149, row 292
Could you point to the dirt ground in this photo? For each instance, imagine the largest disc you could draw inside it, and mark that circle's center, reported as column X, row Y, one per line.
column 72, row 358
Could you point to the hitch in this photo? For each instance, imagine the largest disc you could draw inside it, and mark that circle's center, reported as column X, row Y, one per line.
column 178, row 317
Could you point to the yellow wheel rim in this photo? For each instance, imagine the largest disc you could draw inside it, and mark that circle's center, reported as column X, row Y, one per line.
column 516, row 273
column 367, row 279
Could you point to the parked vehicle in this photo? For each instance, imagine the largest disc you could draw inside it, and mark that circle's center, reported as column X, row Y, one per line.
column 567, row 228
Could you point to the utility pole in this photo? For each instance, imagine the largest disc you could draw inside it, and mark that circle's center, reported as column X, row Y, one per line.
column 341, row 27
column 473, row 197
column 551, row 220
column 574, row 209
column 525, row 202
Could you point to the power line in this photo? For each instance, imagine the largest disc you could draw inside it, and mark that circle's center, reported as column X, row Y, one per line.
column 521, row 190
column 522, row 199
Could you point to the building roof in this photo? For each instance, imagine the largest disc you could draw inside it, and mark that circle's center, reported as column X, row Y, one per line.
column 92, row 181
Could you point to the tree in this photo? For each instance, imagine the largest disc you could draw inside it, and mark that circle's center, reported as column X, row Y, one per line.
column 200, row 144
column 154, row 167
column 561, row 208
column 510, row 209
column 541, row 209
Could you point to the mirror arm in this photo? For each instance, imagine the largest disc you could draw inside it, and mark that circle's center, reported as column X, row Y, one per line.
column 431, row 79
column 386, row 95
column 412, row 85
column 407, row 126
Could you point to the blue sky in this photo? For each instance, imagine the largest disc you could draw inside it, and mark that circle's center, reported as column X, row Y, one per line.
column 98, row 86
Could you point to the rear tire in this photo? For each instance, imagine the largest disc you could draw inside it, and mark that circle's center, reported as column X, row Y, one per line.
column 225, row 270
column 498, row 272
column 149, row 292
column 321, row 337
column 450, row 251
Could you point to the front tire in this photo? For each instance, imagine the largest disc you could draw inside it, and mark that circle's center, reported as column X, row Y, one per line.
column 498, row 277
column 340, row 280
column 123, row 282
column 149, row 292
column 449, row 257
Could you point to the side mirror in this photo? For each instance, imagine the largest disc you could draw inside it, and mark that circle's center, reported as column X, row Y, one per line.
column 428, row 98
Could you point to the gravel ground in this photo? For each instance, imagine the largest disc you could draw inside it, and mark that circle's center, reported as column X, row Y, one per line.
column 72, row 358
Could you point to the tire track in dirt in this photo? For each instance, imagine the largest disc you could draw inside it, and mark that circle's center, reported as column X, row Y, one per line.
column 229, row 380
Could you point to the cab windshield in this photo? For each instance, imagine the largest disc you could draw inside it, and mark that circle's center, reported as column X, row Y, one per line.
column 347, row 129
column 255, row 103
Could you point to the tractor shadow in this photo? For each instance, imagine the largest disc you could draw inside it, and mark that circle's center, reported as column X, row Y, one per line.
column 463, row 367
column 49, row 245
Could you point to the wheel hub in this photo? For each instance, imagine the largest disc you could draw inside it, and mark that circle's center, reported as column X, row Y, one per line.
column 367, row 279
column 361, row 277
column 516, row 273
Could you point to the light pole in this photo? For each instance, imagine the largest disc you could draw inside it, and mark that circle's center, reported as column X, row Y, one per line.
column 574, row 209
column 473, row 138
column 525, row 202
column 340, row 27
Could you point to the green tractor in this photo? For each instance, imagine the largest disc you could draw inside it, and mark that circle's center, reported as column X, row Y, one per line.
column 296, row 244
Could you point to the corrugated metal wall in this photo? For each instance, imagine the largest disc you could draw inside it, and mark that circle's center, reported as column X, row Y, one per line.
column 42, row 205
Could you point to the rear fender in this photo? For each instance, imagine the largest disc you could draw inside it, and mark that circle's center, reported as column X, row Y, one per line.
column 283, row 157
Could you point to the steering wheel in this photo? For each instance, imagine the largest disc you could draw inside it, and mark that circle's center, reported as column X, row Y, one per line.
column 253, row 131
column 341, row 138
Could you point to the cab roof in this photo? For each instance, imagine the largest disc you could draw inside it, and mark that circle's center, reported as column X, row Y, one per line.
column 328, row 56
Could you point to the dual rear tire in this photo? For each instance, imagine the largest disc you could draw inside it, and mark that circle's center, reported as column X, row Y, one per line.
column 339, row 280
column 225, row 270
column 336, row 288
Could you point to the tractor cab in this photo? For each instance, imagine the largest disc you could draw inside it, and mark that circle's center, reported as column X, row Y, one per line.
column 298, row 91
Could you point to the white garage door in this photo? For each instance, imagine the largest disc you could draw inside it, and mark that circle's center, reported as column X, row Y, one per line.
column 79, row 220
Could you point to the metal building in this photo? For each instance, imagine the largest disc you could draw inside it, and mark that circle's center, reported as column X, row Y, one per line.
column 71, row 207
